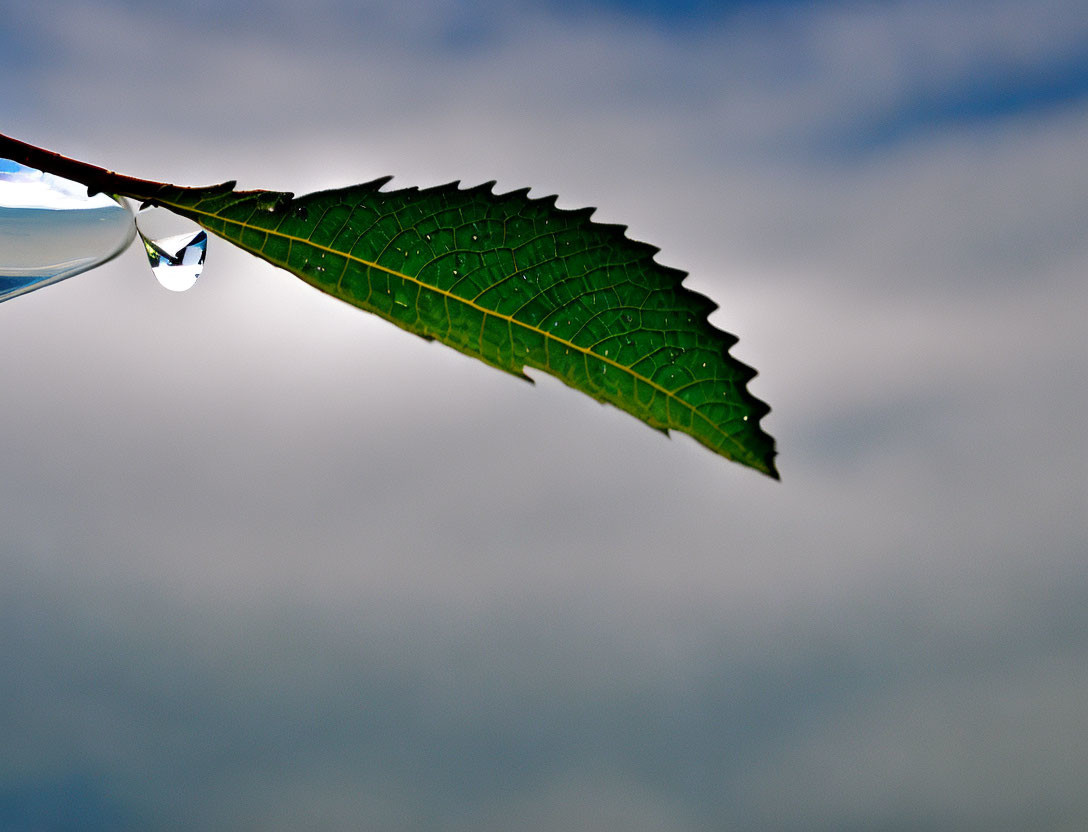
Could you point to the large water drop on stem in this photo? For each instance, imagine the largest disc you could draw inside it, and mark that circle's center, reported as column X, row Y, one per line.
column 178, row 258
column 50, row 229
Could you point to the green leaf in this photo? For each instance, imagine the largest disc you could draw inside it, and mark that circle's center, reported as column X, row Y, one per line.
column 513, row 281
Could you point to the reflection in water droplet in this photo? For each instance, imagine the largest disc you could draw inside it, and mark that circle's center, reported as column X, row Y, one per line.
column 176, row 247
column 177, row 261
column 51, row 230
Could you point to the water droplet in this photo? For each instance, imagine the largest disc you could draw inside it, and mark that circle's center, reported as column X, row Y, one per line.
column 177, row 261
column 270, row 200
column 176, row 247
column 51, row 230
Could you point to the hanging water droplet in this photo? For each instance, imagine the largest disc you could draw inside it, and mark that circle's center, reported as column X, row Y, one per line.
column 177, row 261
column 176, row 247
column 50, row 229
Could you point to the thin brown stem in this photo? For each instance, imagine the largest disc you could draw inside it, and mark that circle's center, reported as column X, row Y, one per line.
column 97, row 180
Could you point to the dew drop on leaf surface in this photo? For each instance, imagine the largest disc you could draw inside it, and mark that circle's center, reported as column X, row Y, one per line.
column 50, row 229
column 176, row 247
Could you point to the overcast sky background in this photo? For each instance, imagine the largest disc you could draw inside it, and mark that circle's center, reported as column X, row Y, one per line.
column 267, row 562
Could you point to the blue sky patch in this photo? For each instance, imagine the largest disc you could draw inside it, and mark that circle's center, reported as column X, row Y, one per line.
column 981, row 101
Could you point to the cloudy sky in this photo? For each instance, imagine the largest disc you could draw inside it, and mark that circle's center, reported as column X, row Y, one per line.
column 267, row 562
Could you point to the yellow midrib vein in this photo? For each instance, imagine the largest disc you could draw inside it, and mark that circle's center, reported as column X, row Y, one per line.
column 449, row 295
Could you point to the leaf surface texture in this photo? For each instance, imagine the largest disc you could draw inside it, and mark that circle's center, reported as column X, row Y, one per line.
column 514, row 282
